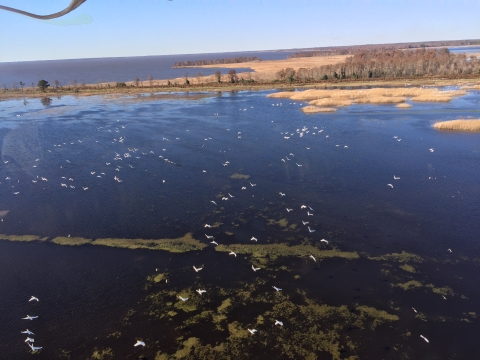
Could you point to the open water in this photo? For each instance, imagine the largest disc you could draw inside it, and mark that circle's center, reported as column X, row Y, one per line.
column 92, row 71
column 149, row 167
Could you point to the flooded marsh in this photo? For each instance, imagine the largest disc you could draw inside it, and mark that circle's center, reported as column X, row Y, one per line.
column 339, row 235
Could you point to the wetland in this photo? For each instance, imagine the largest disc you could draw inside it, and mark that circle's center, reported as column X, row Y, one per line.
column 90, row 186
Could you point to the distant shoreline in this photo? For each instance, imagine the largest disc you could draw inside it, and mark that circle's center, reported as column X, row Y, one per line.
column 94, row 90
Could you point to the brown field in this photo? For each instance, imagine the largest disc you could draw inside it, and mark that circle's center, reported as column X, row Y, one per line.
column 272, row 66
column 459, row 125
column 313, row 109
column 329, row 98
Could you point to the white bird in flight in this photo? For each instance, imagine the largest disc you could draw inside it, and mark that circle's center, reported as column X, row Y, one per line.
column 253, row 184
column 213, row 202
column 310, row 230
column 431, row 150
column 303, row 207
column 277, row 322
column 35, row 348
column 138, row 343
column 213, row 242
column 254, row 268
column 28, row 317
column 396, row 177
column 27, row 332
column 308, row 213
column 325, row 241
column 390, row 185
column 232, row 253
column 305, row 222
column 33, row 298
column 282, row 194
column 209, row 236
column 424, row 338
column 197, row 269
column 254, row 239
column 252, row 331
column 29, row 339
column 313, row 258
column 208, row 226
column 276, row 288
column 288, row 210
column 182, row 298
column 201, row 291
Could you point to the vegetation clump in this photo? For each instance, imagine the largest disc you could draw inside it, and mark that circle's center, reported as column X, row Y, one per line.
column 468, row 125
column 179, row 245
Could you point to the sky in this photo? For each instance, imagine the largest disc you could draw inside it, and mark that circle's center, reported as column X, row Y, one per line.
column 113, row 28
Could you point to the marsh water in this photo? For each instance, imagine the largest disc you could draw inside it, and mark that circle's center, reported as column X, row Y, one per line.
column 160, row 166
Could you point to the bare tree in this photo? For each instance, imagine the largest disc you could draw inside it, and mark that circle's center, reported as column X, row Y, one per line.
column 232, row 74
column 136, row 81
column 56, row 83
column 22, row 84
column 150, row 80
column 218, row 75
column 199, row 76
column 187, row 82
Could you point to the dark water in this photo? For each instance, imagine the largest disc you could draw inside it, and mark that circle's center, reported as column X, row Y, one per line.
column 92, row 71
column 87, row 291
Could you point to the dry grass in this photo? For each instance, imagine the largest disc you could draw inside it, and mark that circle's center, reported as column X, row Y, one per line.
column 331, row 102
column 404, row 106
column 470, row 87
column 329, row 98
column 272, row 66
column 459, row 125
column 313, row 109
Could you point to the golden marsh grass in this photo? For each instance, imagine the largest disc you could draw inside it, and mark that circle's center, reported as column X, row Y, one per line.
column 470, row 125
column 404, row 106
column 336, row 98
column 314, row 109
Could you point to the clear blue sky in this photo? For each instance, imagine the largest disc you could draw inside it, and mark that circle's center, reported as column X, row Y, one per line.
column 110, row 28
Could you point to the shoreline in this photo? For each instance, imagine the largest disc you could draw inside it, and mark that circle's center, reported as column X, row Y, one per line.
column 95, row 90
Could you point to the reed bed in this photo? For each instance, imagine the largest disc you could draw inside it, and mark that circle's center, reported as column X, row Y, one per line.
column 335, row 98
column 470, row 87
column 470, row 125
column 404, row 106
column 314, row 109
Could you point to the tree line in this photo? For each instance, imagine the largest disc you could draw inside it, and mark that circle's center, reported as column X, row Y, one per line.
column 234, row 60
column 351, row 50
column 388, row 64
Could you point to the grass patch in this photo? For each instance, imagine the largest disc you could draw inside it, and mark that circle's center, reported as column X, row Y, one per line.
column 408, row 268
column 240, row 176
column 179, row 245
column 403, row 257
column 75, row 241
column 275, row 250
column 336, row 97
column 315, row 109
column 472, row 125
column 409, row 285
column 21, row 238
